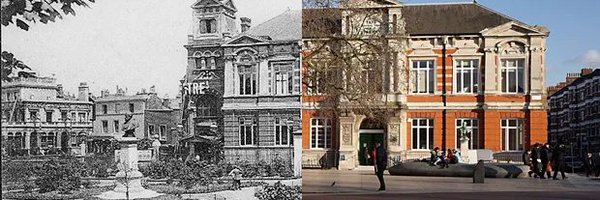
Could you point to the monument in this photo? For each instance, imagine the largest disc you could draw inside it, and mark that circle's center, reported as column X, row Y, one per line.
column 128, row 179
column 467, row 156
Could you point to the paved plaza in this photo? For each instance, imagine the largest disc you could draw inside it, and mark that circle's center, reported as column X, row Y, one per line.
column 363, row 184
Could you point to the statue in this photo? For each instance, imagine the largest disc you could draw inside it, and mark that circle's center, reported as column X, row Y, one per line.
column 129, row 125
column 464, row 132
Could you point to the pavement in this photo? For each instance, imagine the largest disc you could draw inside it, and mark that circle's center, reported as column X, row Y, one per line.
column 363, row 184
column 246, row 193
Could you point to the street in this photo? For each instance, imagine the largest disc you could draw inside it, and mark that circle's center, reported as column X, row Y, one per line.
column 319, row 184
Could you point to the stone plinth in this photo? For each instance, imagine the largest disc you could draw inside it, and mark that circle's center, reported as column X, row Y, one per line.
column 128, row 179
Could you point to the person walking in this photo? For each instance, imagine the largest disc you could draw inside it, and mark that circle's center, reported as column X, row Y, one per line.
column 236, row 175
column 558, row 158
column 544, row 157
column 536, row 160
column 380, row 163
column 527, row 161
column 588, row 164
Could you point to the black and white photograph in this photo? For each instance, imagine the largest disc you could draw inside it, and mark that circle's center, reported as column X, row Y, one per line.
column 151, row 99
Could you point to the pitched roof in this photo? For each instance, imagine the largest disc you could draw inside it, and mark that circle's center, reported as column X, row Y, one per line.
column 285, row 26
column 421, row 19
column 457, row 18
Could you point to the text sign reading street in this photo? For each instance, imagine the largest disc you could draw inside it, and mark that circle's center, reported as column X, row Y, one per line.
column 194, row 88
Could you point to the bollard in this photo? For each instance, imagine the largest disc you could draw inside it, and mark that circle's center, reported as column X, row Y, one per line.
column 479, row 172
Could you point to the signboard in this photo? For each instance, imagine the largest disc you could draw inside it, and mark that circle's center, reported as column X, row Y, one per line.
column 194, row 88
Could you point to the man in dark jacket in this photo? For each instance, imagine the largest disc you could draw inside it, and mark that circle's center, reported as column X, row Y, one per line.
column 527, row 161
column 558, row 158
column 536, row 160
column 380, row 161
column 588, row 164
column 544, row 151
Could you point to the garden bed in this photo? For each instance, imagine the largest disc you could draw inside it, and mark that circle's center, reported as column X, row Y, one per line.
column 198, row 189
column 77, row 194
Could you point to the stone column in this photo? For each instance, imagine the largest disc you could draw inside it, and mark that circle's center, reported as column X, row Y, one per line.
column 393, row 137
column 27, row 141
column 128, row 178
column 58, row 140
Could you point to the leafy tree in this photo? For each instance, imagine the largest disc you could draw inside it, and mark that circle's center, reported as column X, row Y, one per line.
column 15, row 11
column 11, row 65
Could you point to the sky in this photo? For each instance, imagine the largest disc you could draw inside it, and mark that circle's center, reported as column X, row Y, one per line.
column 574, row 25
column 139, row 43
column 133, row 44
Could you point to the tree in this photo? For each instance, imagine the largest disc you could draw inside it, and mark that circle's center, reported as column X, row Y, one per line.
column 15, row 11
column 353, row 68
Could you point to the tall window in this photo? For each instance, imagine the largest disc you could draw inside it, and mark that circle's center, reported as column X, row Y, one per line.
column 466, row 76
column 283, row 78
column 422, row 133
column 131, row 108
column 248, row 131
column 423, row 76
column 513, row 75
column 162, row 132
column 104, row 126
column 104, row 109
column 512, row 134
column 282, row 133
column 117, row 108
column 116, row 126
column 472, row 130
column 247, row 80
column 208, row 26
column 82, row 117
column 151, row 130
column 48, row 116
column 320, row 133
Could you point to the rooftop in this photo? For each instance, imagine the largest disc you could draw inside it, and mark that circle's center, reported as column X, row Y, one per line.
column 285, row 26
column 421, row 19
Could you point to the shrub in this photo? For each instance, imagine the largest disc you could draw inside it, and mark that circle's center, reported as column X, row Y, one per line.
column 62, row 175
column 278, row 191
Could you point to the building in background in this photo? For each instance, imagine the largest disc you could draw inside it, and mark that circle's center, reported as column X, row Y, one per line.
column 38, row 117
column 450, row 65
column 574, row 112
column 249, row 95
column 155, row 116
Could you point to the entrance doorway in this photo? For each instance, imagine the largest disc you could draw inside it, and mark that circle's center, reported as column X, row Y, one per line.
column 368, row 139
column 370, row 132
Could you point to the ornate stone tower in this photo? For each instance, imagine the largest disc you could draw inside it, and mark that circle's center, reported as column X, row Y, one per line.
column 213, row 20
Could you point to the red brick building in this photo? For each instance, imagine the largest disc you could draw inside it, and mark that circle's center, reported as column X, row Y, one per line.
column 460, row 64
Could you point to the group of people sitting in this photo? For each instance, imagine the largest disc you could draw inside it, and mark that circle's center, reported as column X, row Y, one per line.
column 444, row 158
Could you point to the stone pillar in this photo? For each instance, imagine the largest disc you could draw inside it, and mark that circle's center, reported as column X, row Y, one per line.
column 156, row 149
column 394, row 141
column 464, row 149
column 58, row 140
column 128, row 178
column 28, row 141
column 83, row 149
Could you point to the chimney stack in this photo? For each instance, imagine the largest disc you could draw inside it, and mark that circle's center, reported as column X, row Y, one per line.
column 246, row 23
column 84, row 92
column 586, row 71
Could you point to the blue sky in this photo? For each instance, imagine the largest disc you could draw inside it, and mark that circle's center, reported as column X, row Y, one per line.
column 574, row 25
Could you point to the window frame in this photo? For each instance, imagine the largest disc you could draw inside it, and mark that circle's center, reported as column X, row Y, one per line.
column 413, row 77
column 242, row 127
column 505, row 84
column 327, row 127
column 505, row 133
column 475, row 66
column 429, row 133
column 281, row 122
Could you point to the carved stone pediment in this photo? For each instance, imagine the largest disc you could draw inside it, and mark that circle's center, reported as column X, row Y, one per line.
column 512, row 48
column 370, row 3
column 204, row 3
column 512, row 29
column 204, row 75
column 245, row 39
